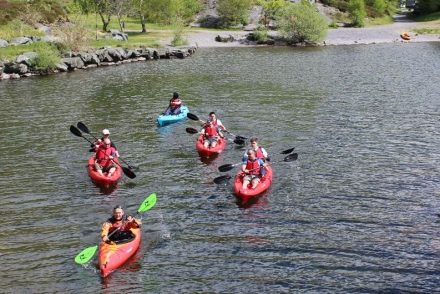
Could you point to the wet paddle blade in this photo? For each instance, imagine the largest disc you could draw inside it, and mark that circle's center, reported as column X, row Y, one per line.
column 75, row 131
column 192, row 116
column 191, row 131
column 128, row 172
column 85, row 255
column 288, row 151
column 222, row 179
column 226, row 167
column 83, row 127
column 241, row 138
column 239, row 141
column 148, row 203
column 291, row 157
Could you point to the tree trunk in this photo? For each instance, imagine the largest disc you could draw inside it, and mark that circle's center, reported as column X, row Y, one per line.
column 143, row 24
column 105, row 23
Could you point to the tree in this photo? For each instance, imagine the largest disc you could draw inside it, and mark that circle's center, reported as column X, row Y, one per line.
column 234, row 12
column 271, row 9
column 105, row 9
column 356, row 10
column 302, row 23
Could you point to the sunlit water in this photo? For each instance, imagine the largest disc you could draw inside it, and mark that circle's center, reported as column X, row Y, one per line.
column 356, row 213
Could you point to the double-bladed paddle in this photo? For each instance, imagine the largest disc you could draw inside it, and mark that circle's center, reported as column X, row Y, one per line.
column 87, row 254
column 128, row 172
column 239, row 140
column 222, row 179
column 228, row 167
column 86, row 130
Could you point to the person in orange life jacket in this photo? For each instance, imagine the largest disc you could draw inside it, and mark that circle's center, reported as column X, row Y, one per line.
column 118, row 220
column 174, row 107
column 217, row 123
column 210, row 135
column 99, row 142
column 104, row 158
column 253, row 169
column 259, row 151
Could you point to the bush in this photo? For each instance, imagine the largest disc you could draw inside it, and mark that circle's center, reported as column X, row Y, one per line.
column 356, row 9
column 260, row 35
column 73, row 36
column 179, row 33
column 302, row 23
column 48, row 56
column 234, row 12
column 164, row 11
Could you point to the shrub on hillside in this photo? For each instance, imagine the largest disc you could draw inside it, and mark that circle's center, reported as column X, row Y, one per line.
column 302, row 23
column 234, row 12
column 356, row 9
column 73, row 36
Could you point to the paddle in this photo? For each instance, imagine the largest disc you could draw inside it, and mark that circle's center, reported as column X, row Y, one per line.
column 87, row 254
column 128, row 172
column 196, row 118
column 228, row 167
column 237, row 141
column 85, row 129
column 222, row 179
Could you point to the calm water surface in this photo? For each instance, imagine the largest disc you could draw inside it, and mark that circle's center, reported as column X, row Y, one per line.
column 356, row 213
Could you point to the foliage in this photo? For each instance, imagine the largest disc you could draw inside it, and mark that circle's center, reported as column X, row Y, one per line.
column 426, row 6
column 168, row 11
column 73, row 36
column 17, row 28
column 356, row 9
column 271, row 9
column 48, row 56
column 234, row 12
column 31, row 11
column 260, row 34
column 302, row 23
column 179, row 32
column 427, row 31
column 427, row 17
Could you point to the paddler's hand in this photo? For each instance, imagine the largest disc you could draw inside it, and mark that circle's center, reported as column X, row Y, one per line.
column 110, row 157
column 130, row 218
column 105, row 239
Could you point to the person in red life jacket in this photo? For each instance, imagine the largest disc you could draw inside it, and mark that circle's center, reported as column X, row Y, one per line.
column 210, row 135
column 174, row 106
column 254, row 169
column 104, row 158
column 121, row 223
column 260, row 152
column 99, row 142
column 217, row 123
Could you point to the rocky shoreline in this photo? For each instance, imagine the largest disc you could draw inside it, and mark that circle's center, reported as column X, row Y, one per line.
column 22, row 66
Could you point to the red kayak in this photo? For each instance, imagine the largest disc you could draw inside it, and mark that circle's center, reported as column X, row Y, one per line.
column 210, row 151
column 246, row 194
column 112, row 256
column 103, row 179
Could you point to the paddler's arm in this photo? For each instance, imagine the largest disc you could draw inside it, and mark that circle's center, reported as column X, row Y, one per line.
column 104, row 231
column 132, row 222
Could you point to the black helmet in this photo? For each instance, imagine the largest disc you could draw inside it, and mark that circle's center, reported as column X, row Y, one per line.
column 175, row 95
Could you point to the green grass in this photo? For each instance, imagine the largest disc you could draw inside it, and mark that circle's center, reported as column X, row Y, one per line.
column 49, row 54
column 429, row 17
column 17, row 29
column 425, row 31
column 379, row 21
column 135, row 40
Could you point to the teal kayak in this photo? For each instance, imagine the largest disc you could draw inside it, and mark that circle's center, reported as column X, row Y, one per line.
column 164, row 120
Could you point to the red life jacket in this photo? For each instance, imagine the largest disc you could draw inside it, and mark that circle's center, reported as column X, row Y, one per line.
column 254, row 167
column 102, row 156
column 175, row 102
column 115, row 224
column 259, row 153
column 210, row 132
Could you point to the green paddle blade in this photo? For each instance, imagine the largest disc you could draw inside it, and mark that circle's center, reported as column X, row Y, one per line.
column 148, row 203
column 85, row 255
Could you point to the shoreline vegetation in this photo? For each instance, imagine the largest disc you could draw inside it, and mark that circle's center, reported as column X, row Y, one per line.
column 77, row 43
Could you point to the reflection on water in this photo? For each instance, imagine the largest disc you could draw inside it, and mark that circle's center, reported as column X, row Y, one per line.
column 356, row 213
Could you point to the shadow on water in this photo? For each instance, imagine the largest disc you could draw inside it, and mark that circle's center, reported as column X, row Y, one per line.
column 258, row 201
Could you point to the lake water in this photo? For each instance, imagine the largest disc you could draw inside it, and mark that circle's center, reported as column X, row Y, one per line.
column 356, row 213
